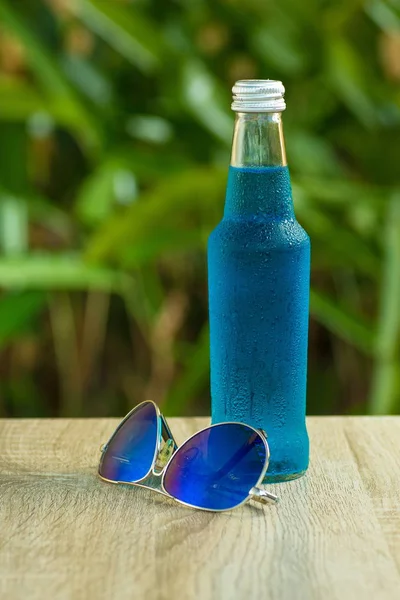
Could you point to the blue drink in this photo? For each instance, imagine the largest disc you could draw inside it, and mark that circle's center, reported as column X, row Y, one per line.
column 259, row 265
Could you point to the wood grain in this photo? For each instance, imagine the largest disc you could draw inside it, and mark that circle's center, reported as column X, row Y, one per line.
column 67, row 535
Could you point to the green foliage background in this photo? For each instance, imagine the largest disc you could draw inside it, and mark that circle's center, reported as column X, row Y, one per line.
column 115, row 132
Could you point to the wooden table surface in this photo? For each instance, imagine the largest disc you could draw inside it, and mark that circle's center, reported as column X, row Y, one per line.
column 64, row 534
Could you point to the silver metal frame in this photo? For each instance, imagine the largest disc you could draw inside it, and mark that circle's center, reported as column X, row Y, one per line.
column 155, row 479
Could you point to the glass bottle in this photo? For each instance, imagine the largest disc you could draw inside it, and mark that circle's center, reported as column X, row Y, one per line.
column 259, row 267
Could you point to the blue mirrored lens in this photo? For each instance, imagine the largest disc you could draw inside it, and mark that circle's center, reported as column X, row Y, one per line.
column 130, row 452
column 217, row 468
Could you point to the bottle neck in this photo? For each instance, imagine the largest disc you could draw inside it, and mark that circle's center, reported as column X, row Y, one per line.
column 258, row 140
column 259, row 182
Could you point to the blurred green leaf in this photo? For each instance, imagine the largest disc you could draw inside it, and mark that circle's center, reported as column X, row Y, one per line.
column 277, row 46
column 337, row 319
column 13, row 225
column 56, row 272
column 206, row 101
column 349, row 80
column 150, row 128
column 108, row 185
column 384, row 16
column 22, row 102
column 13, row 178
column 114, row 117
column 195, row 376
column 341, row 193
column 99, row 192
column 13, row 173
column 37, row 55
column 312, row 155
column 174, row 201
column 164, row 241
column 42, row 212
column 27, row 401
column 130, row 33
column 332, row 250
column 19, row 101
column 145, row 297
column 17, row 311
column 49, row 73
column 94, row 84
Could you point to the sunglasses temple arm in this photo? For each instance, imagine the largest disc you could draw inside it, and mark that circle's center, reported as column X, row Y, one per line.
column 262, row 496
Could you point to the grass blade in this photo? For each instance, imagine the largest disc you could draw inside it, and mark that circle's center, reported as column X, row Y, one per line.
column 385, row 393
column 67, row 355
column 193, row 379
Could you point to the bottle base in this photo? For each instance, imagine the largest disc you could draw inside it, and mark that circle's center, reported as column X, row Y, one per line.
column 271, row 478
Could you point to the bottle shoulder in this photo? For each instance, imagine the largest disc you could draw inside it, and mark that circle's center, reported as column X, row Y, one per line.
column 286, row 233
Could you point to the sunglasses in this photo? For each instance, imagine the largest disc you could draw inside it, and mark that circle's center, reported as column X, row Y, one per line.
column 216, row 469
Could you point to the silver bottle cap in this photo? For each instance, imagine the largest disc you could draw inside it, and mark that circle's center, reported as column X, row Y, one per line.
column 258, row 95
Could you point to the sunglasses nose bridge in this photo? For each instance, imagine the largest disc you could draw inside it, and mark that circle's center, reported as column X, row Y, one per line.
column 167, row 450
